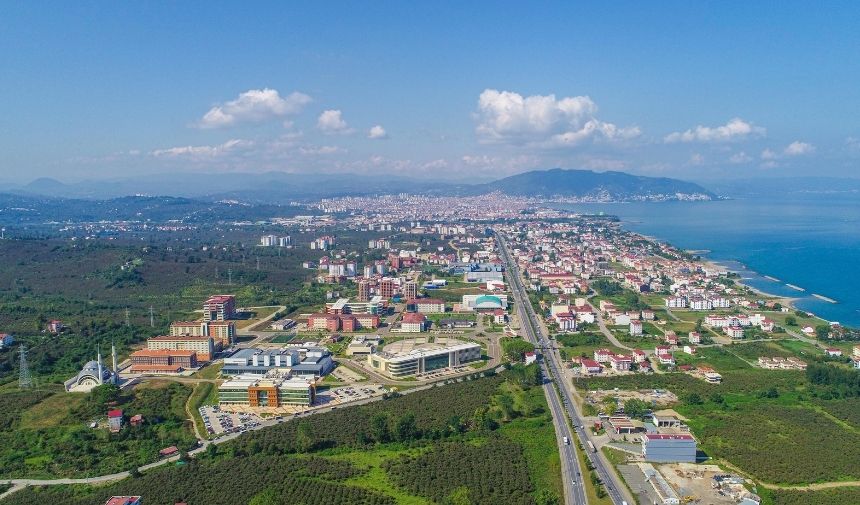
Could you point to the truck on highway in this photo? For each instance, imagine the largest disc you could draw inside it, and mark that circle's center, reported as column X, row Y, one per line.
column 591, row 446
column 566, row 440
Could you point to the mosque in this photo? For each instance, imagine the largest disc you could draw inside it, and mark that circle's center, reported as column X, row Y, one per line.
column 93, row 374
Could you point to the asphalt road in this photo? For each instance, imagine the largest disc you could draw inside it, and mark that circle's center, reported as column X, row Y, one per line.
column 614, row 487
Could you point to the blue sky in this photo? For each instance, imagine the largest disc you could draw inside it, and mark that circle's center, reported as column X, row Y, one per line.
column 458, row 90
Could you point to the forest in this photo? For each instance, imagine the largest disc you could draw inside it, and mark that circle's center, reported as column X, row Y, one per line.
column 460, row 430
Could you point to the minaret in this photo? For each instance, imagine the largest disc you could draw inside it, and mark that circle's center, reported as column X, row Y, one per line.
column 115, row 378
column 99, row 361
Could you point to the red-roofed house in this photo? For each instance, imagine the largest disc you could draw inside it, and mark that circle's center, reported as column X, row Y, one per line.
column 123, row 500
column 832, row 351
column 115, row 420
column 413, row 322
column 591, row 366
column 602, row 355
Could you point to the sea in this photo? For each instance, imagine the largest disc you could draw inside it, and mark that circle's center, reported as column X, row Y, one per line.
column 795, row 245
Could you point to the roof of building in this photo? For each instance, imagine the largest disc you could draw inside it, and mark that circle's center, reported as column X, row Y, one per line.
column 115, row 413
column 153, row 353
column 122, row 500
column 167, row 338
column 658, row 436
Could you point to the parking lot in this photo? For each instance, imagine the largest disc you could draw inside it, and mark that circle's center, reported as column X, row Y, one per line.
column 346, row 394
column 218, row 422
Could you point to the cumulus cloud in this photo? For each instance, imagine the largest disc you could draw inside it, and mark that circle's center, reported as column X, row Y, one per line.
column 331, row 122
column 377, row 132
column 252, row 106
column 798, row 148
column 768, row 154
column 736, row 129
column 741, row 157
column 203, row 152
column 543, row 120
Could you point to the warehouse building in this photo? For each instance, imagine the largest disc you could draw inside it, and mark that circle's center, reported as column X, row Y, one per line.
column 663, row 448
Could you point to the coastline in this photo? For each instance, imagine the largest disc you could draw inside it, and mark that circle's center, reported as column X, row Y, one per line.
column 786, row 301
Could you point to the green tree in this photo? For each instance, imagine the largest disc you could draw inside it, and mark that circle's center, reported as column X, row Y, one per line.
column 635, row 407
column 405, row 428
column 379, row 428
column 694, row 399
column 304, row 437
column 790, row 321
column 265, row 497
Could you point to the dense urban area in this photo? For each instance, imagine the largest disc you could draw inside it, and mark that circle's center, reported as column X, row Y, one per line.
column 405, row 349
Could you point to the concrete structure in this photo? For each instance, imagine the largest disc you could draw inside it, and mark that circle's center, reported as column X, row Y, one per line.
column 219, row 308
column 664, row 448
column 204, row 346
column 661, row 488
column 423, row 360
column 272, row 390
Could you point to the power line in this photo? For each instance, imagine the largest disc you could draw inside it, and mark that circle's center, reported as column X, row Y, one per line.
column 25, row 380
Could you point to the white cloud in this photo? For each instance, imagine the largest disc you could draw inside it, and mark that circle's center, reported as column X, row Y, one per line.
column 320, row 150
column 798, row 148
column 254, row 105
column 739, row 158
column 543, row 120
column 697, row 159
column 736, row 129
column 377, row 132
column 852, row 144
column 331, row 122
column 768, row 154
column 203, row 152
column 439, row 164
column 769, row 164
column 603, row 164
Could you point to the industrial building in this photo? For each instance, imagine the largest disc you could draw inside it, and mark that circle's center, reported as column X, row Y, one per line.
column 308, row 362
column 272, row 390
column 419, row 361
column 665, row 448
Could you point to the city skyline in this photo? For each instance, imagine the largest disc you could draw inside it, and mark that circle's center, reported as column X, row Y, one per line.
column 484, row 90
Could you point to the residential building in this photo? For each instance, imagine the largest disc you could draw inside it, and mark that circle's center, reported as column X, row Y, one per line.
column 219, row 308
column 115, row 420
column 410, row 291
column 636, row 328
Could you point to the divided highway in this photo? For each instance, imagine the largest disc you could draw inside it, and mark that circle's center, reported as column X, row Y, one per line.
column 573, row 476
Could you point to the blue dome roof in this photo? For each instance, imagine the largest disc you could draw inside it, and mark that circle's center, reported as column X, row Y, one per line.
column 486, row 301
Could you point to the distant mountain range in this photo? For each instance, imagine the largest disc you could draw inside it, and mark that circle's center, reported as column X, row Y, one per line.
column 281, row 187
column 615, row 186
